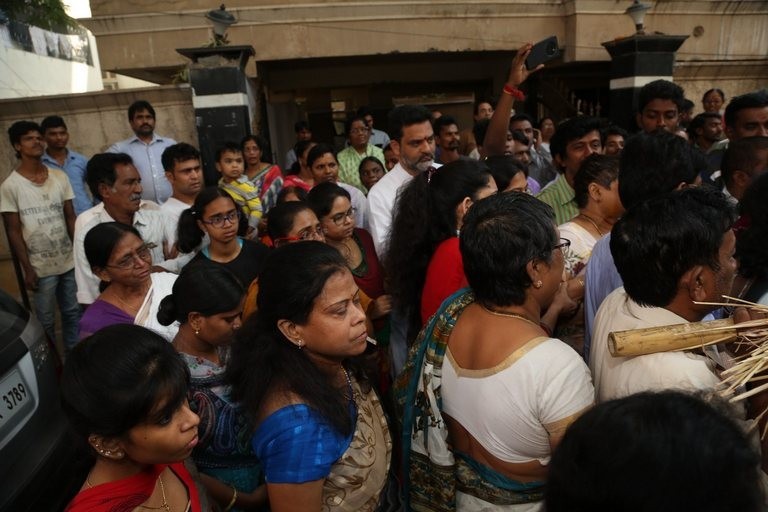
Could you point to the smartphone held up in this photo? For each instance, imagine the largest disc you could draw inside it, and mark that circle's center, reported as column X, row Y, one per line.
column 543, row 51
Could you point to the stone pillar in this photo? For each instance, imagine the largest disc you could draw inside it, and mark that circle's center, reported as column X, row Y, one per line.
column 223, row 98
column 636, row 61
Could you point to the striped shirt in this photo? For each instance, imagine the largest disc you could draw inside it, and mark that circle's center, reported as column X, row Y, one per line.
column 561, row 197
column 349, row 162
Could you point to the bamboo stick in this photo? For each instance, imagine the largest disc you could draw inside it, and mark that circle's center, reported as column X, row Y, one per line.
column 667, row 338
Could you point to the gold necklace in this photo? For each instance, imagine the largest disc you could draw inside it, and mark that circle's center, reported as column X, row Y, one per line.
column 509, row 315
column 600, row 233
column 128, row 306
column 163, row 506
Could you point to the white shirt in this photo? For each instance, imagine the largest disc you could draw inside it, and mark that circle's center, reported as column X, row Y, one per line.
column 171, row 210
column 617, row 377
column 357, row 200
column 40, row 207
column 381, row 202
column 148, row 221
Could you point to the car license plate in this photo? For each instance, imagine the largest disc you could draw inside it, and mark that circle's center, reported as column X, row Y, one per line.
column 15, row 397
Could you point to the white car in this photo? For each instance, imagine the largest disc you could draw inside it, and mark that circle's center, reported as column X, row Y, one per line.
column 36, row 450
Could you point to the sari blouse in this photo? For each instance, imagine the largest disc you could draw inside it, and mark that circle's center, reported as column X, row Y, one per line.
column 127, row 494
column 295, row 444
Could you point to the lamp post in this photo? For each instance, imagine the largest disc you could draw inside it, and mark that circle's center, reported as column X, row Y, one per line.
column 636, row 11
column 221, row 21
column 224, row 97
column 637, row 60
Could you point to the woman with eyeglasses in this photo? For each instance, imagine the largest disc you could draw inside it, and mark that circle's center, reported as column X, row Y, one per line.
column 130, row 291
column 215, row 214
column 322, row 161
column 333, row 208
column 289, row 222
column 498, row 390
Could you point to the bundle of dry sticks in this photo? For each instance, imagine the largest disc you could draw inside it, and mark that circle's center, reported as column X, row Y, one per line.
column 748, row 373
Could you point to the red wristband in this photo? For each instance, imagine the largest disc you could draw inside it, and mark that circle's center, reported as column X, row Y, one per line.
column 514, row 92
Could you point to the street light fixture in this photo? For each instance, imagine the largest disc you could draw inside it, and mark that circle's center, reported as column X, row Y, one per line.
column 221, row 21
column 637, row 11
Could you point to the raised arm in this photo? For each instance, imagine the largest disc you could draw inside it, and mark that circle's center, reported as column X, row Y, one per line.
column 496, row 137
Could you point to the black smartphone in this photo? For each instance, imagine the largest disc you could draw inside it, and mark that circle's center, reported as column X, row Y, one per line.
column 542, row 52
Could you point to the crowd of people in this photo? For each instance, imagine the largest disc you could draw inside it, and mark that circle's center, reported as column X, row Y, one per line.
column 418, row 321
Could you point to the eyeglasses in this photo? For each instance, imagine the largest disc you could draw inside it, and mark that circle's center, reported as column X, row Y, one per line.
column 339, row 218
column 357, row 131
column 304, row 235
column 563, row 246
column 143, row 254
column 218, row 221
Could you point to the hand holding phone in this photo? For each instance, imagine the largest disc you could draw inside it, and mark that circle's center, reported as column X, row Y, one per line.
column 543, row 51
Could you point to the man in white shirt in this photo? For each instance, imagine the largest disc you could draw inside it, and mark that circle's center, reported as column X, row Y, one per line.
column 113, row 179
column 184, row 172
column 673, row 253
column 414, row 139
column 145, row 149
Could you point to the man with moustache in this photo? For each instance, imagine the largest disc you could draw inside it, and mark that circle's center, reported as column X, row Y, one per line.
column 414, row 139
column 115, row 181
column 448, row 139
column 36, row 203
column 146, row 149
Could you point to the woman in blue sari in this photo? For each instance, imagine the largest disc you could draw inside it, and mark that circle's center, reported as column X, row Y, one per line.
column 319, row 429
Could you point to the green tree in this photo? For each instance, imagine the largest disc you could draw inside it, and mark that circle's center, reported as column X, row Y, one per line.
column 47, row 14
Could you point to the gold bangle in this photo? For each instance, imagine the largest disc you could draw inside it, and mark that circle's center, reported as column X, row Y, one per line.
column 233, row 500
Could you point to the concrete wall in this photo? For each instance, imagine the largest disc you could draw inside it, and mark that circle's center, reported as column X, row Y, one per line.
column 734, row 78
column 23, row 73
column 96, row 120
column 133, row 35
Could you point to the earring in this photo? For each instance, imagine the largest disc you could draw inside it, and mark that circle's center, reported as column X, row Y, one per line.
column 197, row 332
column 538, row 284
column 300, row 344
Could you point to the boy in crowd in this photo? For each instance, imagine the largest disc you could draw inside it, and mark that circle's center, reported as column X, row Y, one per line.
column 229, row 163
